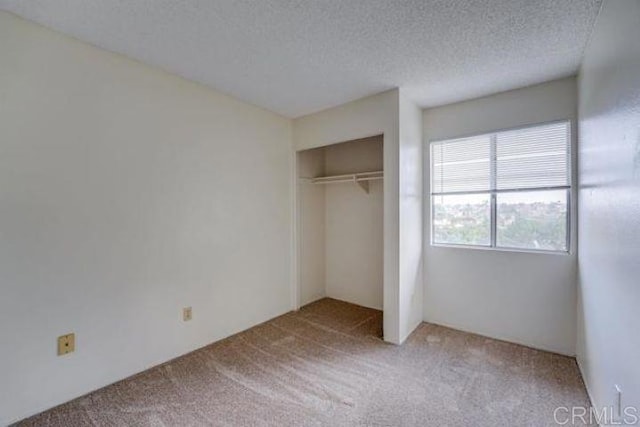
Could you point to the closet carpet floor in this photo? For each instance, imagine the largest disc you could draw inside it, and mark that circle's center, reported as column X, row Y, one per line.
column 326, row 365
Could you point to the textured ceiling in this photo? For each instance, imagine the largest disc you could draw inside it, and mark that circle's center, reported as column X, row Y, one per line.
column 295, row 57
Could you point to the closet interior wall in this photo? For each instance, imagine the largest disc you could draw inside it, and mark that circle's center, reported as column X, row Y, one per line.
column 341, row 224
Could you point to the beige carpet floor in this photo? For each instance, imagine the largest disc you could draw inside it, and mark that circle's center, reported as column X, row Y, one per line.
column 327, row 366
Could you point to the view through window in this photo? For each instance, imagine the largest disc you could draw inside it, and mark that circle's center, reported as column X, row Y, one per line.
column 508, row 189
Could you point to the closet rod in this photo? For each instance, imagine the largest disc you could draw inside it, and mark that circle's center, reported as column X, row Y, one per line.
column 353, row 177
column 362, row 179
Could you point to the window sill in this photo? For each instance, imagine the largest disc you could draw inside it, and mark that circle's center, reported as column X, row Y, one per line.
column 501, row 249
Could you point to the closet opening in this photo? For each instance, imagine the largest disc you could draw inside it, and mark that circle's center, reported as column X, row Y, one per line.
column 340, row 207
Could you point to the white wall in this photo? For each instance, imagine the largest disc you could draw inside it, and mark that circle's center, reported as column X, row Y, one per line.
column 609, row 242
column 410, row 206
column 366, row 117
column 354, row 225
column 125, row 194
column 527, row 298
column 311, row 228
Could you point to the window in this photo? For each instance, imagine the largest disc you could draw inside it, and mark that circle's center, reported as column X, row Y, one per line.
column 508, row 189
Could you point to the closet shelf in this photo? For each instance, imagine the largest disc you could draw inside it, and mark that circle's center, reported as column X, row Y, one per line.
column 361, row 178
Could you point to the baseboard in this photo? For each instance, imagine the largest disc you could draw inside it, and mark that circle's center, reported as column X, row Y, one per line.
column 311, row 300
column 412, row 328
column 586, row 385
column 501, row 338
column 354, row 302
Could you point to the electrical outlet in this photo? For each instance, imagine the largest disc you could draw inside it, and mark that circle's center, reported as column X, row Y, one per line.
column 66, row 344
column 187, row 314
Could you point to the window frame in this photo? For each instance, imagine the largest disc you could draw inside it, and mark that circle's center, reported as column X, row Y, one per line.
column 493, row 192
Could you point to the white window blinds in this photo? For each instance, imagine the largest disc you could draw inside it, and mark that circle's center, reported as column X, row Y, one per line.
column 534, row 157
column 461, row 165
column 530, row 158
